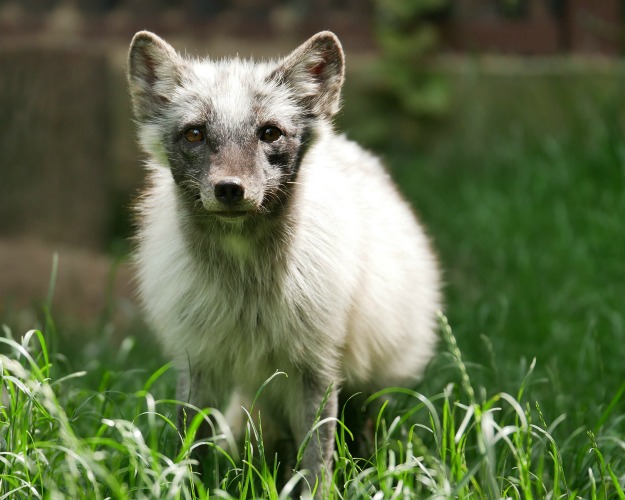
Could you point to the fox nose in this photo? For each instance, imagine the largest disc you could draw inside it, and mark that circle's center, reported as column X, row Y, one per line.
column 229, row 191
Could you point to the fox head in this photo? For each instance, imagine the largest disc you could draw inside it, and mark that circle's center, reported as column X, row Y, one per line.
column 233, row 132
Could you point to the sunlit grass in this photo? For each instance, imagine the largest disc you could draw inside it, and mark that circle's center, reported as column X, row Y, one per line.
column 63, row 440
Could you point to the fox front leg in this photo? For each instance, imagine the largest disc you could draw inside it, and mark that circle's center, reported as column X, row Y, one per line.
column 193, row 391
column 318, row 414
column 187, row 397
column 194, row 394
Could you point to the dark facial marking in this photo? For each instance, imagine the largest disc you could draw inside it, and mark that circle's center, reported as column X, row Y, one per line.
column 279, row 159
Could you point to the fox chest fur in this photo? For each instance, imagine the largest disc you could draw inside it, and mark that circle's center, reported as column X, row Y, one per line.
column 240, row 303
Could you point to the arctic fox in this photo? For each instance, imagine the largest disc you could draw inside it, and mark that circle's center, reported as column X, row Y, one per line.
column 269, row 242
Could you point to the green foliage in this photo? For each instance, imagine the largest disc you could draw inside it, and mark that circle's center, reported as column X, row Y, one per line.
column 61, row 439
column 399, row 95
column 407, row 38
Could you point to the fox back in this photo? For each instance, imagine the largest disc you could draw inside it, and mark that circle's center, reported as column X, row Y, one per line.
column 269, row 242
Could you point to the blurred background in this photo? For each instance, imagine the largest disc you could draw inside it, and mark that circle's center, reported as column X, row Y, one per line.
column 502, row 121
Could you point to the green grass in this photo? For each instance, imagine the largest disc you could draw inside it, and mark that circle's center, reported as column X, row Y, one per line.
column 62, row 439
column 524, row 199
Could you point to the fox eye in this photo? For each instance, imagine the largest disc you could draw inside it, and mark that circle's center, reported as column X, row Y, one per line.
column 269, row 133
column 194, row 134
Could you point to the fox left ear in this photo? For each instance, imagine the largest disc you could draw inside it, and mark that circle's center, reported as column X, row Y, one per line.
column 154, row 71
column 316, row 71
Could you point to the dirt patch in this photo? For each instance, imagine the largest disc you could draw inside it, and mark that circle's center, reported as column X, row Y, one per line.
column 89, row 285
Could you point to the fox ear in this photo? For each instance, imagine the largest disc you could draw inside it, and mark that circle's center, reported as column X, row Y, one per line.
column 154, row 70
column 315, row 70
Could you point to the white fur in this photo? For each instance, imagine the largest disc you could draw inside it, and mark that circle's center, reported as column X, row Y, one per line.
column 350, row 293
column 358, row 262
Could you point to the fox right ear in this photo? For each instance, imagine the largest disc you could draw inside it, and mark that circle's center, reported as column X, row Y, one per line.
column 154, row 71
column 315, row 70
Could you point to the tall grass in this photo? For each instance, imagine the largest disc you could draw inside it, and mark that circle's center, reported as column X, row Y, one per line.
column 61, row 439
